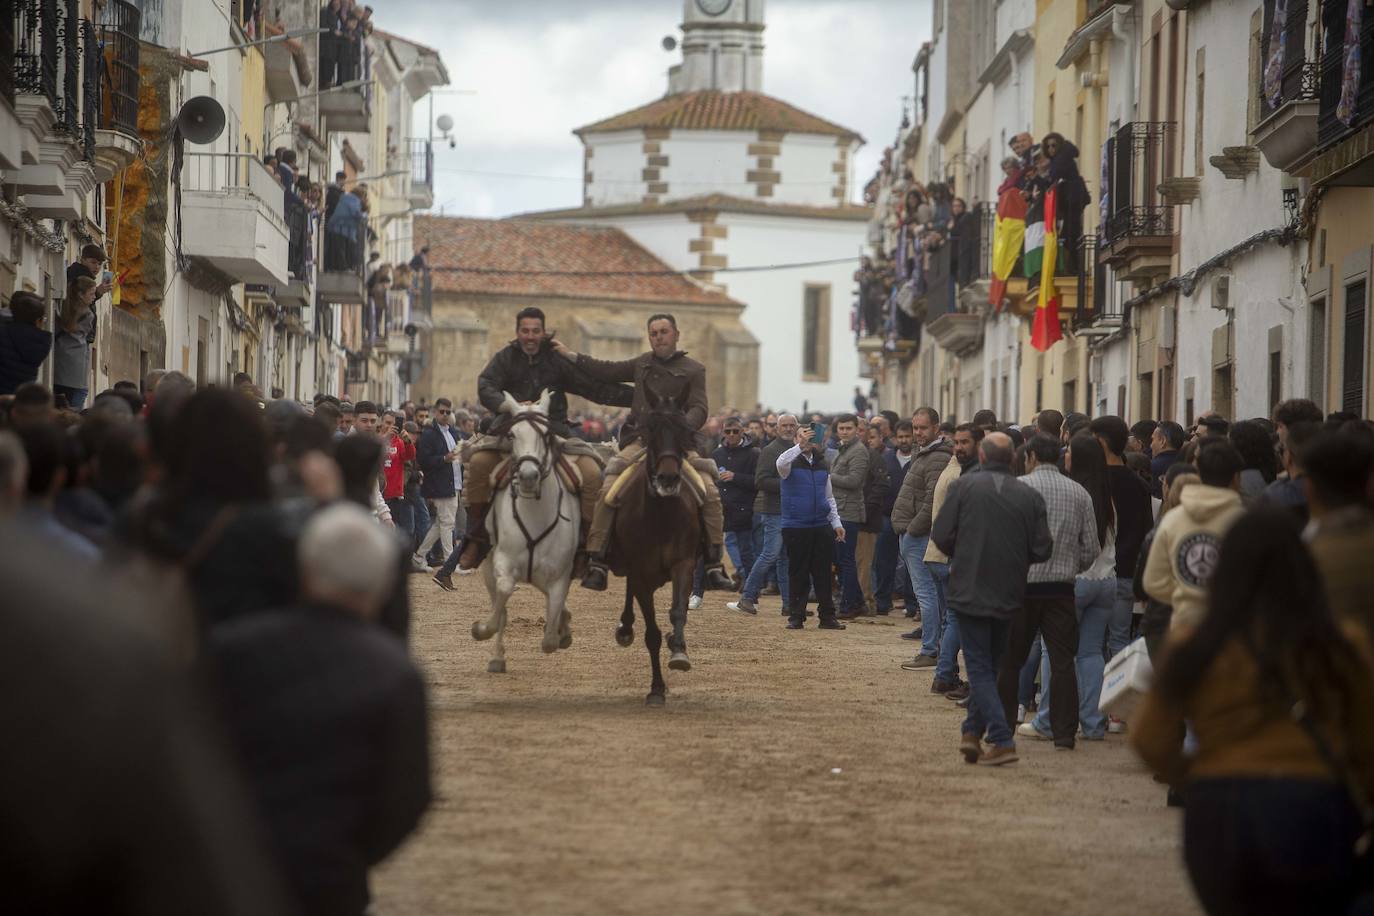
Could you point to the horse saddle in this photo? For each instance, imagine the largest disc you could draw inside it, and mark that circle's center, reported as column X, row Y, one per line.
column 636, row 471
column 567, row 472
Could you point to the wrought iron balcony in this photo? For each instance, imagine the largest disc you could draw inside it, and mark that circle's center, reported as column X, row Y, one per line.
column 36, row 57
column 7, row 62
column 119, row 26
column 232, row 217
column 421, row 174
column 1095, row 308
column 1138, row 226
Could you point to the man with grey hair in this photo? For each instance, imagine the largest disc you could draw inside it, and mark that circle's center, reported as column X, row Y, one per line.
column 992, row 527
column 328, row 715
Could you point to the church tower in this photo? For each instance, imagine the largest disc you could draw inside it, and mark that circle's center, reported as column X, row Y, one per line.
column 722, row 47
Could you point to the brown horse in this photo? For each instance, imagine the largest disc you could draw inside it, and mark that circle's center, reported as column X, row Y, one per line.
column 657, row 539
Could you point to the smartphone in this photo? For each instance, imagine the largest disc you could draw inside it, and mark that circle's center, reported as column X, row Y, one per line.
column 818, row 433
column 106, row 276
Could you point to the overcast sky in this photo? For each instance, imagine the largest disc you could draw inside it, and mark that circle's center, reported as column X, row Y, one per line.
column 539, row 68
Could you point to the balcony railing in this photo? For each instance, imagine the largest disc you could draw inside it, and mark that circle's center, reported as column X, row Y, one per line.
column 940, row 291
column 1300, row 78
column 7, row 62
column 90, row 88
column 422, row 292
column 422, row 163
column 1140, row 156
column 1095, row 307
column 35, row 49
column 1330, row 127
column 69, row 45
column 119, row 26
column 298, row 233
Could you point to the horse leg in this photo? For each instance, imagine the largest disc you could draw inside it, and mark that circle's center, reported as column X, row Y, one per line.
column 499, row 592
column 677, row 615
column 565, row 628
column 653, row 641
column 625, row 633
column 555, row 595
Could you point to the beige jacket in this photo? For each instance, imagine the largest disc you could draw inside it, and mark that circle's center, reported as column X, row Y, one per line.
column 948, row 474
column 1185, row 550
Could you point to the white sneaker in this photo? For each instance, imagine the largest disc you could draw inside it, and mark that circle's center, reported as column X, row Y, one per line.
column 418, row 563
column 694, row 602
column 1020, row 713
column 463, row 572
column 1028, row 730
column 1115, row 726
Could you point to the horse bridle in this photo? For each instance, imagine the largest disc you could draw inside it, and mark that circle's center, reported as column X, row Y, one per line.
column 541, row 423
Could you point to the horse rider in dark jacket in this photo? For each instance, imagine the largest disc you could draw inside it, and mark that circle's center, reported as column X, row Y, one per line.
column 673, row 378
column 526, row 368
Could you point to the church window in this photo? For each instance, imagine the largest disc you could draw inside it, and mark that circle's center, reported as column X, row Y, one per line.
column 816, row 333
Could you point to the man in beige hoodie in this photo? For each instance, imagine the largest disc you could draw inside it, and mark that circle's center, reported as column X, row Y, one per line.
column 1188, row 542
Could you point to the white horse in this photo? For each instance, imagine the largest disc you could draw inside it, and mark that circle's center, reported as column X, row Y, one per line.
column 533, row 525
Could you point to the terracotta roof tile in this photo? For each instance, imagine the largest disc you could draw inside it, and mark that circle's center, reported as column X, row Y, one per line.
column 715, row 110
column 527, row 247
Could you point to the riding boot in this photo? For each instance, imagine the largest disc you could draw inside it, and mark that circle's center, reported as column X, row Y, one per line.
column 596, row 576
column 714, row 576
column 580, row 558
column 476, row 544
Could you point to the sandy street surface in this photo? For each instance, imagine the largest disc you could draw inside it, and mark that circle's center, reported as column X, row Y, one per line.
column 558, row 791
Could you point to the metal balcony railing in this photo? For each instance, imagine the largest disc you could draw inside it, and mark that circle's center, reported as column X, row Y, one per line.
column 422, row 163
column 241, row 173
column 298, row 233
column 1140, row 156
column 1295, row 78
column 35, row 49
column 422, row 292
column 90, row 88
column 940, row 286
column 119, row 26
column 69, row 46
column 7, row 62
column 1330, row 127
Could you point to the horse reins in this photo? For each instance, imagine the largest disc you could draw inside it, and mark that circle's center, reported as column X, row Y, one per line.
column 541, row 424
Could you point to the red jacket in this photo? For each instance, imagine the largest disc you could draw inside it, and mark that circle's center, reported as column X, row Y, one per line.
column 398, row 452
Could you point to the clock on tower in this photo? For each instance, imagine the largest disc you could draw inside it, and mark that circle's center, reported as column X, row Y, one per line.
column 713, row 7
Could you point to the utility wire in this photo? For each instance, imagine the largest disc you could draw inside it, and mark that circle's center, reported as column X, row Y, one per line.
column 488, row 271
column 579, row 178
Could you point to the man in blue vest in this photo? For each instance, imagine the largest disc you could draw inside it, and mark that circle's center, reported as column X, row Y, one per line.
column 810, row 527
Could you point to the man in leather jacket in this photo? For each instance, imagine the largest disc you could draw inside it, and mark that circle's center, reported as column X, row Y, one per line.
column 671, row 376
column 526, row 368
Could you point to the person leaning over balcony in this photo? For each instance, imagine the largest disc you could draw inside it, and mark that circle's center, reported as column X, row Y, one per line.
column 1072, row 195
column 72, row 345
column 330, row 18
column 23, row 342
column 343, row 232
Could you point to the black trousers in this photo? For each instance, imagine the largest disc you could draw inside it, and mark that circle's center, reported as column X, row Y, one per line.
column 1054, row 617
column 329, row 60
column 1269, row 846
column 810, row 551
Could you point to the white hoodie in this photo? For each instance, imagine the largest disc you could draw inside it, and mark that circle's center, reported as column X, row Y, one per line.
column 1185, row 550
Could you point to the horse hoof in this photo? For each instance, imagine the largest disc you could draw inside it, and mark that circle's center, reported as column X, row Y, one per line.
column 680, row 662
column 479, row 632
column 624, row 636
column 654, row 699
column 565, row 641
column 548, row 646
column 496, row 666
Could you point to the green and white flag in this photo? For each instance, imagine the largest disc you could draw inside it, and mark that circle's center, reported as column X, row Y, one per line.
column 1035, row 248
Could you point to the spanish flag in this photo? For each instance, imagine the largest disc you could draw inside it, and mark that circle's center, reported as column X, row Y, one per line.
column 1008, row 234
column 1045, row 328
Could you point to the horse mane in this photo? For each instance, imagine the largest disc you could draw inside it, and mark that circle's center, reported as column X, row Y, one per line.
column 669, row 421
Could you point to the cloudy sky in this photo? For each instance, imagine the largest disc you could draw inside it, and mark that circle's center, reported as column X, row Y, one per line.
column 536, row 69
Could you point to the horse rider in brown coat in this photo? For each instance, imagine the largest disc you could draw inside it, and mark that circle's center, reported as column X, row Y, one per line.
column 672, row 377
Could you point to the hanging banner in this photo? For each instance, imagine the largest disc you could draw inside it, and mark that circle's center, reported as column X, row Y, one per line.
column 1273, row 68
column 1350, row 71
column 1045, row 328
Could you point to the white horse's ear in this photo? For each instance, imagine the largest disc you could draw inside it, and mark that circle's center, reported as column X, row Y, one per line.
column 510, row 405
column 545, row 397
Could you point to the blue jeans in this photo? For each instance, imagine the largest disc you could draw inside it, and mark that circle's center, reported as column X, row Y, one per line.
column 851, row 596
column 403, row 517
column 1025, row 691
column 76, row 397
column 1119, row 626
column 948, row 667
column 890, row 578
column 771, row 559
column 740, row 546
column 985, row 643
column 932, row 608
column 756, row 541
column 1095, row 600
column 420, row 508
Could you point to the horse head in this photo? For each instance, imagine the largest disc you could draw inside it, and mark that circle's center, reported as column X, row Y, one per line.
column 531, row 447
column 667, row 439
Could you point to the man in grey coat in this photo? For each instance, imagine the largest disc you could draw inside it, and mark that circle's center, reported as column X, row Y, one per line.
column 993, row 527
column 911, row 518
column 848, row 472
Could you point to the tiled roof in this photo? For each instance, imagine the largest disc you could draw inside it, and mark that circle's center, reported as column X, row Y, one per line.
column 721, row 203
column 594, row 262
column 715, row 110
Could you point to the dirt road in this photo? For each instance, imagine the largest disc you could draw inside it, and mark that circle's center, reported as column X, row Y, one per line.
column 560, row 792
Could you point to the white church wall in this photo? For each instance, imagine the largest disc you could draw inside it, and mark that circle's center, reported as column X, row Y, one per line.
column 807, row 168
column 775, row 301
column 708, row 162
column 617, row 168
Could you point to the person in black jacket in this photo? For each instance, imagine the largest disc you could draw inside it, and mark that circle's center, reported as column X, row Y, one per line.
column 889, row 570
column 437, row 454
column 1071, row 196
column 24, row 345
column 525, row 369
column 876, row 488
column 327, row 713
column 737, row 459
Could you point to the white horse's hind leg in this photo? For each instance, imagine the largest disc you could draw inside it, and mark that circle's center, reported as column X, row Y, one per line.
column 565, row 629
column 556, row 595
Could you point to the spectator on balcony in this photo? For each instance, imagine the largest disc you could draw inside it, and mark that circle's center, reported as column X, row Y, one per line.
column 1023, row 147
column 344, row 232
column 964, row 236
column 334, row 194
column 72, row 346
column 331, row 42
column 23, row 342
column 1072, row 194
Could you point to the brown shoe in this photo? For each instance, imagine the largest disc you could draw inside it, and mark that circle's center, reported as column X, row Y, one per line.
column 998, row 756
column 970, row 747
